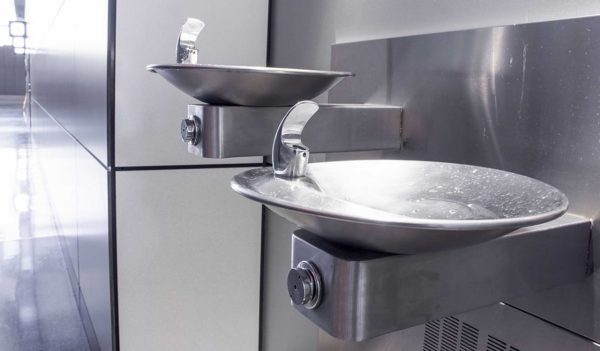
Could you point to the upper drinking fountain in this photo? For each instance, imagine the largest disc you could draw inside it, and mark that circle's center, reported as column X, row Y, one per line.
column 240, row 85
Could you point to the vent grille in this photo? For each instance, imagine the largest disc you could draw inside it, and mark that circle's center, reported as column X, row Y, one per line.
column 494, row 344
column 432, row 336
column 469, row 338
column 452, row 334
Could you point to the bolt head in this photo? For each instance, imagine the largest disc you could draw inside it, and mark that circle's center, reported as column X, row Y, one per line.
column 188, row 130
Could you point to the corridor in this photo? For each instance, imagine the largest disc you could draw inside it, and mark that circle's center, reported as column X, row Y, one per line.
column 37, row 302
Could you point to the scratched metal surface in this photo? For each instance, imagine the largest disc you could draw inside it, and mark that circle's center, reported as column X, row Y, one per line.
column 521, row 98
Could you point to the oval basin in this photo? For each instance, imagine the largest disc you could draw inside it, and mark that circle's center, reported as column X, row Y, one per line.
column 247, row 85
column 404, row 207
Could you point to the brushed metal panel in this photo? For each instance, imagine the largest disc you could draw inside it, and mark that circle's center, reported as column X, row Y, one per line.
column 502, row 322
column 520, row 98
column 522, row 331
column 55, row 151
column 92, row 228
column 69, row 71
column 147, row 108
column 77, row 189
column 572, row 306
column 189, row 261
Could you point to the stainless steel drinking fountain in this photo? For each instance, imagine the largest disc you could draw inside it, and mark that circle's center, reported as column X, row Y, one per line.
column 389, row 244
column 245, row 104
column 383, row 245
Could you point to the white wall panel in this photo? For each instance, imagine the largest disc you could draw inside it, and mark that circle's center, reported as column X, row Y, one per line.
column 148, row 108
column 188, row 261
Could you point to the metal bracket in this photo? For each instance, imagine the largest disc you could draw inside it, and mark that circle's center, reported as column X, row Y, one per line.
column 238, row 131
column 367, row 294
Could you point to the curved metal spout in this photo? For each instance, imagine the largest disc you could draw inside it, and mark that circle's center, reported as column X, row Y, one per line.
column 186, row 44
column 290, row 156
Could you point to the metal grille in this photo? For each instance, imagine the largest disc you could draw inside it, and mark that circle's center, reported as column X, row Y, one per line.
column 469, row 338
column 432, row 336
column 494, row 344
column 450, row 334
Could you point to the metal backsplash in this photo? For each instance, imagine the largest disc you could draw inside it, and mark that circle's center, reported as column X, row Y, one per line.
column 522, row 98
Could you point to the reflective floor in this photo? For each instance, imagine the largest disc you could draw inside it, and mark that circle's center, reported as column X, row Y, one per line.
column 37, row 303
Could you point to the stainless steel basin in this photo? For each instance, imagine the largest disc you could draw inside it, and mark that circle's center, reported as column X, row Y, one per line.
column 404, row 206
column 248, row 86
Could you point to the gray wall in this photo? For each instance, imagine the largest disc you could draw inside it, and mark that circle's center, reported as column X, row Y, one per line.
column 188, row 248
column 69, row 128
column 301, row 36
column 12, row 72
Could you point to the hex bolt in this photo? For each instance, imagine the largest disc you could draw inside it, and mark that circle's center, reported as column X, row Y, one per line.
column 190, row 130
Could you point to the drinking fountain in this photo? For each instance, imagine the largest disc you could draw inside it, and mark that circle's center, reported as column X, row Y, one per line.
column 385, row 245
column 243, row 105
column 382, row 245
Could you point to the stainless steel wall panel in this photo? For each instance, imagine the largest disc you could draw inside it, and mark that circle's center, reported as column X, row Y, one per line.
column 55, row 151
column 69, row 71
column 77, row 189
column 92, row 228
column 147, row 108
column 522, row 331
column 69, row 87
column 573, row 306
column 520, row 98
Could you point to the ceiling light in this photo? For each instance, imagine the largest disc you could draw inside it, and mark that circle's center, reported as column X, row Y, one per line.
column 17, row 29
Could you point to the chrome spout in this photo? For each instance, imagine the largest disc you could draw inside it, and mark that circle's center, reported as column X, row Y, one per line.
column 186, row 44
column 290, row 156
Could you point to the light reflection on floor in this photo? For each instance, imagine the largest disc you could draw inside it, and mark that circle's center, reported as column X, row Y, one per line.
column 37, row 305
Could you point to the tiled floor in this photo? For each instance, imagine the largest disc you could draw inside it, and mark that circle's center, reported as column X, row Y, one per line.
column 37, row 305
